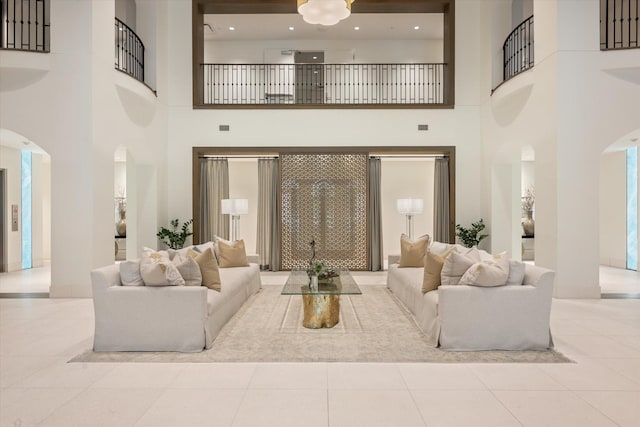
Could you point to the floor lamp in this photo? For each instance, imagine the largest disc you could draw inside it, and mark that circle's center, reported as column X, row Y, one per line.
column 235, row 208
column 410, row 207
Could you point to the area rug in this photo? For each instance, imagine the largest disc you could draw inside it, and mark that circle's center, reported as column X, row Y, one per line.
column 373, row 327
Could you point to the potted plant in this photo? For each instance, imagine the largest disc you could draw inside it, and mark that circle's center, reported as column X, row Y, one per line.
column 173, row 237
column 471, row 236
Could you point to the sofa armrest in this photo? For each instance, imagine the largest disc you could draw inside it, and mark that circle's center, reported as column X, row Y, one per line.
column 104, row 277
column 539, row 277
column 393, row 259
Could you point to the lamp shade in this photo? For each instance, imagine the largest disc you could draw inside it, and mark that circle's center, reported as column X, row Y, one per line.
column 235, row 206
column 410, row 206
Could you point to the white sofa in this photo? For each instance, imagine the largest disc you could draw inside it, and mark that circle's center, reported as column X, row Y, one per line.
column 168, row 318
column 479, row 318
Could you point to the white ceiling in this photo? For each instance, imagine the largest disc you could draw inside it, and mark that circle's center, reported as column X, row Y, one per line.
column 373, row 26
column 18, row 142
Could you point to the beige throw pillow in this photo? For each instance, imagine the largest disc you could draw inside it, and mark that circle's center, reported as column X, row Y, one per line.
column 412, row 251
column 487, row 273
column 157, row 270
column 432, row 270
column 208, row 268
column 516, row 273
column 232, row 255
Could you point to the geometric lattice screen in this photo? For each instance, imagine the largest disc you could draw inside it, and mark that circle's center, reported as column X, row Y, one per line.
column 324, row 197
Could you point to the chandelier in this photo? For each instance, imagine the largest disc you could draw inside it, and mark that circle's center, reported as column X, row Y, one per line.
column 324, row 12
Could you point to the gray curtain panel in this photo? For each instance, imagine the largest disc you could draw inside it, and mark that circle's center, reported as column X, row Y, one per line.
column 375, row 215
column 268, row 241
column 214, row 186
column 441, row 201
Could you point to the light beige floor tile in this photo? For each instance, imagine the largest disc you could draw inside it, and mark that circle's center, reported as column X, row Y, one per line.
column 67, row 375
column 373, row 408
column 358, row 376
column 632, row 341
column 629, row 368
column 283, row 408
column 140, row 375
column 440, row 377
column 104, row 407
column 299, row 376
column 563, row 326
column 515, row 377
column 198, row 407
column 475, row 408
column 17, row 368
column 600, row 346
column 552, row 409
column 28, row 407
column 623, row 407
column 207, row 375
column 588, row 376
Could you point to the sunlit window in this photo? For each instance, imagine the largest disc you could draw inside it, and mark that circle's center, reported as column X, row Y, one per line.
column 632, row 208
column 25, row 172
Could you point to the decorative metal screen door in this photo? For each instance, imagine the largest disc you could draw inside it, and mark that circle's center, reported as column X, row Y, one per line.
column 324, row 197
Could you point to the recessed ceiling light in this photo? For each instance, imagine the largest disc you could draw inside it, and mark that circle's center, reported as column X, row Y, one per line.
column 315, row 57
column 291, row 28
column 417, row 27
column 232, row 28
column 356, row 28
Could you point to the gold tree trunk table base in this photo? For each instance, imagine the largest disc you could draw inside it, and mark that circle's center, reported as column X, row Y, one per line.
column 321, row 311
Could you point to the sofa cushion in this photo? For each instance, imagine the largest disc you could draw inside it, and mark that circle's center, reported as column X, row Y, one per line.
column 157, row 269
column 189, row 269
column 412, row 251
column 130, row 273
column 456, row 264
column 516, row 273
column 432, row 270
column 487, row 273
column 232, row 255
column 208, row 268
column 440, row 248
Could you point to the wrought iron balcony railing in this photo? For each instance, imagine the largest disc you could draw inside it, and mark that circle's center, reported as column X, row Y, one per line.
column 129, row 51
column 517, row 50
column 619, row 24
column 24, row 25
column 323, row 84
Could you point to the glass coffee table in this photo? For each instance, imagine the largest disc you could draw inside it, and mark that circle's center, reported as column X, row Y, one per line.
column 321, row 307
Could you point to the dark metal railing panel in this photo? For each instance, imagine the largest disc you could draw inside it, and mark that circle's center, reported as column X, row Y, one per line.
column 517, row 50
column 129, row 51
column 24, row 25
column 619, row 23
column 316, row 84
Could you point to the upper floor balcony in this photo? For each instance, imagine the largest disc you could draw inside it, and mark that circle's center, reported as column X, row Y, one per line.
column 389, row 54
column 24, row 25
column 619, row 24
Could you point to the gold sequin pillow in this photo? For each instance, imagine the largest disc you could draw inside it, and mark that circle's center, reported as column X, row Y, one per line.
column 157, row 269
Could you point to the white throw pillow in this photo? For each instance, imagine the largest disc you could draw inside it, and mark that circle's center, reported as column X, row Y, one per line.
column 157, row 269
column 189, row 269
column 439, row 248
column 454, row 267
column 487, row 273
column 130, row 273
column 516, row 273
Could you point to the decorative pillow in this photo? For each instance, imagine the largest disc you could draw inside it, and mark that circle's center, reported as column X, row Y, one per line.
column 130, row 273
column 454, row 267
column 189, row 269
column 156, row 269
column 432, row 269
column 208, row 268
column 412, row 252
column 487, row 273
column 232, row 255
column 439, row 248
column 516, row 273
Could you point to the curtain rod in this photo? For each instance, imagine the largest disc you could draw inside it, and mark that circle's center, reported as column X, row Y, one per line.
column 411, row 156
column 236, row 157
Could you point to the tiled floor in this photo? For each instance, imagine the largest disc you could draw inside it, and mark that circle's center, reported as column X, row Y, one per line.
column 38, row 387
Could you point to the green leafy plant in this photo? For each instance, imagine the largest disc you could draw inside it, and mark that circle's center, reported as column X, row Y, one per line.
column 471, row 236
column 323, row 270
column 172, row 237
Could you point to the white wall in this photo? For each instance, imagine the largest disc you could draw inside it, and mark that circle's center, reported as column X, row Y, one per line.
column 528, row 177
column 336, row 51
column 613, row 209
column 405, row 179
column 243, row 184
